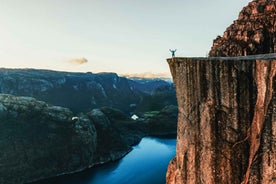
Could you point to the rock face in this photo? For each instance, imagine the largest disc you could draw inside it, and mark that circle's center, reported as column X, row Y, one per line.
column 226, row 121
column 254, row 32
column 39, row 141
column 110, row 145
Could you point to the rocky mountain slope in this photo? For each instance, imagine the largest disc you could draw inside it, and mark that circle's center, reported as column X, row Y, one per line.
column 81, row 92
column 254, row 32
column 38, row 140
column 226, row 120
column 146, row 85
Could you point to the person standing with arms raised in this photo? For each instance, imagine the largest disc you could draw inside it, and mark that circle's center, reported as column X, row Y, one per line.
column 173, row 52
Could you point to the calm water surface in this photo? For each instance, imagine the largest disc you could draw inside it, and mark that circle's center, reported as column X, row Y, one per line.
column 146, row 164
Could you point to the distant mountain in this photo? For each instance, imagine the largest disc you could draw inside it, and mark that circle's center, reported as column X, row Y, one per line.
column 147, row 85
column 80, row 92
column 149, row 75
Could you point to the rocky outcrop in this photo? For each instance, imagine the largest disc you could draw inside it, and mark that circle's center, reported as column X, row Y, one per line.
column 226, row 121
column 254, row 32
column 110, row 144
column 39, row 141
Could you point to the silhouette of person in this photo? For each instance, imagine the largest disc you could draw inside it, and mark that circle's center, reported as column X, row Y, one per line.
column 173, row 52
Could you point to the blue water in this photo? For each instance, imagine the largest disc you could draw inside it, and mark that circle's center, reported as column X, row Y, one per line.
column 146, row 164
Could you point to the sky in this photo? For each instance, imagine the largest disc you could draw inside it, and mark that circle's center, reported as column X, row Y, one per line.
column 122, row 36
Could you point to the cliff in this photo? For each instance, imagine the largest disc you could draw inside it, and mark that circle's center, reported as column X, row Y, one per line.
column 226, row 121
column 38, row 140
column 254, row 32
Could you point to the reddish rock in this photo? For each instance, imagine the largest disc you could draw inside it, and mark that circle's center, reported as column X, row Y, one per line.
column 254, row 32
column 227, row 106
column 226, row 121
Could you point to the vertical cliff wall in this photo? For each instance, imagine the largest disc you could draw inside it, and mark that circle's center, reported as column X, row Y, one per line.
column 227, row 120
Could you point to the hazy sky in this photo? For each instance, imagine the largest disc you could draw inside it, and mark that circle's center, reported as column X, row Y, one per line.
column 123, row 36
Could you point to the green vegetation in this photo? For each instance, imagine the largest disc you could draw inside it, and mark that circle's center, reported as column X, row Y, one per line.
column 150, row 114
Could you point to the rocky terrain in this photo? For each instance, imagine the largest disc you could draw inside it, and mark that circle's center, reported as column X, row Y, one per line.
column 39, row 140
column 82, row 92
column 226, row 120
column 254, row 32
column 79, row 92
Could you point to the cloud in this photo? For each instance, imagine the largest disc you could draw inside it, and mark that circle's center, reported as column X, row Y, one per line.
column 78, row 61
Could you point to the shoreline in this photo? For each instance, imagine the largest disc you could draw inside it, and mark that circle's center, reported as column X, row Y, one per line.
column 99, row 164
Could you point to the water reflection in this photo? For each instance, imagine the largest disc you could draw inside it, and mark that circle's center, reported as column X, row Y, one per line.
column 147, row 163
